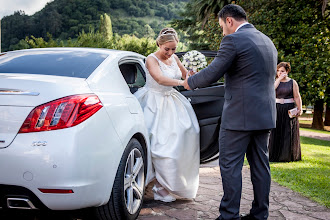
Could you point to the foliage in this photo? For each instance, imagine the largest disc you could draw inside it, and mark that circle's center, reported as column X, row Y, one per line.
column 106, row 26
column 149, row 32
column 201, row 30
column 297, row 28
column 213, row 32
column 311, row 175
column 301, row 35
column 192, row 29
column 208, row 8
column 314, row 130
column 65, row 19
column 144, row 46
column 103, row 38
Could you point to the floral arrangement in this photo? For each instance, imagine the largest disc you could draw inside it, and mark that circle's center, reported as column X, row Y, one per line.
column 194, row 60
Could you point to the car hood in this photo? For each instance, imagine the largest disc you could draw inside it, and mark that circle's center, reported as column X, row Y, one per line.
column 20, row 93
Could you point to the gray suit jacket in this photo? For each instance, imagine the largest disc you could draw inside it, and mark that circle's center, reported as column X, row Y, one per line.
column 248, row 59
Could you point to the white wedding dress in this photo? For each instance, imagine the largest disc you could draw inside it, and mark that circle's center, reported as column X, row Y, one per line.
column 174, row 134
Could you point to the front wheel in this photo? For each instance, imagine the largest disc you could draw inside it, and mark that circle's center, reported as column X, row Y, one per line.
column 128, row 189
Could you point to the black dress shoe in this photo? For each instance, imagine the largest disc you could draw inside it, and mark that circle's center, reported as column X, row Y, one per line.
column 247, row 217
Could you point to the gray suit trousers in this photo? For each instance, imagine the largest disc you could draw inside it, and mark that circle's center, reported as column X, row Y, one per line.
column 233, row 146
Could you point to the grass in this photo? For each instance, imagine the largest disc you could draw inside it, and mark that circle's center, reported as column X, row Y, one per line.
column 309, row 122
column 310, row 176
column 315, row 130
column 305, row 115
column 306, row 120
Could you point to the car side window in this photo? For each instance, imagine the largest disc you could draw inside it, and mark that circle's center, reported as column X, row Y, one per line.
column 140, row 78
column 133, row 75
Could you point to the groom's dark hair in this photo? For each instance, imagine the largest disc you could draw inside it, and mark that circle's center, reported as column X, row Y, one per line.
column 232, row 10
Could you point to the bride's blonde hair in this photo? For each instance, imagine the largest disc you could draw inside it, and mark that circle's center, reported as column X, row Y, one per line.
column 167, row 35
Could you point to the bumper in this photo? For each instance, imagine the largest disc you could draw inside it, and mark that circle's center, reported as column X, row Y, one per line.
column 83, row 159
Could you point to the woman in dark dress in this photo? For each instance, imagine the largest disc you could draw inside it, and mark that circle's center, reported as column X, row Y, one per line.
column 284, row 142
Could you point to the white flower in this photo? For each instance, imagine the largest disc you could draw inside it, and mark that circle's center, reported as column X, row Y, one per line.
column 194, row 60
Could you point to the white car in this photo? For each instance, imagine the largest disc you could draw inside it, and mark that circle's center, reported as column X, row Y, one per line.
column 72, row 134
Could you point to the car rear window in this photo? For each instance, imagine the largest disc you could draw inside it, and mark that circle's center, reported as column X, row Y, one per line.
column 51, row 62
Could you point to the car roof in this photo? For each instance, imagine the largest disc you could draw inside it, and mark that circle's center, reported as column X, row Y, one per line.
column 77, row 49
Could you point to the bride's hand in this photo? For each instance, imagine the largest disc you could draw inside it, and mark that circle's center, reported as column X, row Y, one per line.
column 190, row 73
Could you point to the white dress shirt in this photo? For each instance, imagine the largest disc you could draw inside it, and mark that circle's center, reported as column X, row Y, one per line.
column 241, row 25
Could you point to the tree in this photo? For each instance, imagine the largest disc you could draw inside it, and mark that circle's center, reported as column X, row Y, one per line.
column 14, row 28
column 327, row 109
column 299, row 31
column 195, row 26
column 301, row 35
column 327, row 115
column 213, row 32
column 208, row 8
column 191, row 27
column 66, row 19
column 106, row 26
column 324, row 5
column 149, row 32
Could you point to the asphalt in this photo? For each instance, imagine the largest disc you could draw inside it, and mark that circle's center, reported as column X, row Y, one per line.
column 284, row 203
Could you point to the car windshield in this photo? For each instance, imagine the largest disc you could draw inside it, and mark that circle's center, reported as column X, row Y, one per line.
column 51, row 62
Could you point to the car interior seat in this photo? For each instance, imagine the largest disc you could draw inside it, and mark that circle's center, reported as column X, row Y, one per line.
column 129, row 72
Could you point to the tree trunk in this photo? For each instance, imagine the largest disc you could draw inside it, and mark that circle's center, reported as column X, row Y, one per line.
column 317, row 116
column 327, row 115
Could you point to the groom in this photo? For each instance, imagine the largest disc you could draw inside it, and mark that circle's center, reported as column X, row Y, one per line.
column 247, row 58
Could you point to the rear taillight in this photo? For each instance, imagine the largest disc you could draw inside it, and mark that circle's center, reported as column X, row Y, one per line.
column 61, row 113
column 56, row 191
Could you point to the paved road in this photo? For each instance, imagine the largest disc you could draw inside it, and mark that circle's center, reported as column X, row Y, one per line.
column 284, row 203
column 316, row 135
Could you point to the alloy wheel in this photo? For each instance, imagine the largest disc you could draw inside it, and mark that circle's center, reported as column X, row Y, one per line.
column 134, row 181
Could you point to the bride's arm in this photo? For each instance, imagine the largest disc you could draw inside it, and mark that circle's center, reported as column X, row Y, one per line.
column 154, row 70
column 184, row 71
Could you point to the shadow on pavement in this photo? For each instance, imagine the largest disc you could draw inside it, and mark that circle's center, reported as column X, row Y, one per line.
column 44, row 215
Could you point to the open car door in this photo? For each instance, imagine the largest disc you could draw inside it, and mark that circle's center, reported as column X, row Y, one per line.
column 207, row 103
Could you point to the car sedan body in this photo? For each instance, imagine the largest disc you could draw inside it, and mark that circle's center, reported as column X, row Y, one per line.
column 66, row 118
column 72, row 133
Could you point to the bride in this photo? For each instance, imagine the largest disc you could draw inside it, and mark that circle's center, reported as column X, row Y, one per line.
column 172, row 124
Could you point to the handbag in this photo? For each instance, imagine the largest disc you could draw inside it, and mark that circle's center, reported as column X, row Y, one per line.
column 293, row 112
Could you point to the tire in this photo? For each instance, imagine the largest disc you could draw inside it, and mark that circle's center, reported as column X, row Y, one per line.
column 128, row 189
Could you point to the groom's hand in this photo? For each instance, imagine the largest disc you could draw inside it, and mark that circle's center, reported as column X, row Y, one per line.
column 185, row 84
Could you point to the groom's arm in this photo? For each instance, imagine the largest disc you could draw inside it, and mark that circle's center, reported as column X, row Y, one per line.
column 218, row 67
